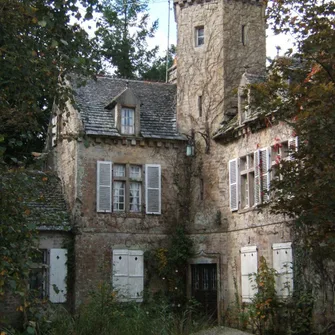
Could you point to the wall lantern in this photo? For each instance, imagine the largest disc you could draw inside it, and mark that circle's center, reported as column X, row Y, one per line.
column 190, row 148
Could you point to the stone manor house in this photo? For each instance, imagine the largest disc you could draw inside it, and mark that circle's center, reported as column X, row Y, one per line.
column 135, row 158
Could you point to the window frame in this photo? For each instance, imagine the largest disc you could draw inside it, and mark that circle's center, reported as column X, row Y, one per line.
column 199, row 38
column 126, row 128
column 127, row 180
column 261, row 178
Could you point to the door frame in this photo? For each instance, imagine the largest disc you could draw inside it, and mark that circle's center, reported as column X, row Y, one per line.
column 206, row 258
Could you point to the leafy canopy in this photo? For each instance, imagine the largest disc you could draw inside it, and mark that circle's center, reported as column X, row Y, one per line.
column 123, row 36
column 39, row 47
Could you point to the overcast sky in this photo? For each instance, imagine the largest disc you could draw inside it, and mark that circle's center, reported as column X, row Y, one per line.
column 159, row 10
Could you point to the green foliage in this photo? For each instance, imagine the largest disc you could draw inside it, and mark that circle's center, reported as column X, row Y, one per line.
column 300, row 90
column 123, row 35
column 171, row 265
column 38, row 49
column 103, row 314
column 263, row 307
column 157, row 71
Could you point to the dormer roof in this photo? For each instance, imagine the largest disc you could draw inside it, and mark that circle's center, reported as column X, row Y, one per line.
column 157, row 101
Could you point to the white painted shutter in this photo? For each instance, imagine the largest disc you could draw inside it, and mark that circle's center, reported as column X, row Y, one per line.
column 54, row 130
column 265, row 166
column 128, row 274
column 104, row 186
column 58, row 273
column 136, row 275
column 233, row 184
column 257, row 180
column 282, row 263
column 120, row 273
column 153, row 188
column 292, row 146
column 248, row 266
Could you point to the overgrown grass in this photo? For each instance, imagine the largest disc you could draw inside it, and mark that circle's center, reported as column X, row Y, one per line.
column 103, row 314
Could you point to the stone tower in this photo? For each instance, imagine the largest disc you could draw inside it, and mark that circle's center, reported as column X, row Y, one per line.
column 217, row 41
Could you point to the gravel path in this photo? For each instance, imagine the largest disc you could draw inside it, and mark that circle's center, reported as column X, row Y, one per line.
column 221, row 331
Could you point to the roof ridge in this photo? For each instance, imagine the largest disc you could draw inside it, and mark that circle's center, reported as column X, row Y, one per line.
column 134, row 80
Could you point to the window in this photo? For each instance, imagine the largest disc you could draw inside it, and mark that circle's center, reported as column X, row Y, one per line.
column 247, row 177
column 244, row 34
column 128, row 274
column 200, row 105
column 120, row 188
column 282, row 263
column 250, row 175
column 199, row 36
column 248, row 268
column 127, row 121
column 47, row 277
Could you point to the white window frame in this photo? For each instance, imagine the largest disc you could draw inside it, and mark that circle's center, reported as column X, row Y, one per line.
column 132, row 178
column 127, row 121
column 199, row 36
column 247, row 172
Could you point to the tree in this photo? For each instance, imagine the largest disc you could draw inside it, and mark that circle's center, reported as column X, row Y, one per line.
column 123, row 36
column 38, row 49
column 301, row 90
column 157, row 71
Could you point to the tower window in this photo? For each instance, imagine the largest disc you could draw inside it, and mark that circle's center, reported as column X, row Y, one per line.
column 199, row 36
column 244, row 34
column 200, row 105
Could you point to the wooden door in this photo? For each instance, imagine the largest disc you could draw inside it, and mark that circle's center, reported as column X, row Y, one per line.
column 204, row 287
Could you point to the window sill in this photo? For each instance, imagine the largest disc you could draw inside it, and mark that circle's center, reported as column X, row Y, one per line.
column 246, row 210
column 124, row 214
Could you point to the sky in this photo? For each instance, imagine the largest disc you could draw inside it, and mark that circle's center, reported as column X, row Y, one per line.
column 159, row 10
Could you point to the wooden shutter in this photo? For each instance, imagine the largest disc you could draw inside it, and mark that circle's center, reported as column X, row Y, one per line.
column 282, row 263
column 257, row 180
column 58, row 273
column 104, row 186
column 128, row 274
column 136, row 275
column 153, row 188
column 120, row 273
column 248, row 266
column 265, row 166
column 233, row 184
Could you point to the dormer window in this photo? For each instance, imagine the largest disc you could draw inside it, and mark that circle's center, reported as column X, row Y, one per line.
column 127, row 121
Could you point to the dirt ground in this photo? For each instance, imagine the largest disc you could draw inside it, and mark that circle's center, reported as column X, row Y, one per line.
column 221, row 331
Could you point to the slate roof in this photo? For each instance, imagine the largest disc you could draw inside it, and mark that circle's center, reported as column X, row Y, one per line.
column 157, row 107
column 41, row 198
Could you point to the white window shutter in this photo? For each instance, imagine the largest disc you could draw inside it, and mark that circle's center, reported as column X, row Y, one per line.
column 265, row 166
column 121, row 272
column 233, row 184
column 54, row 130
column 248, row 267
column 58, row 274
column 136, row 275
column 257, row 180
column 153, row 188
column 128, row 274
column 292, row 146
column 282, row 263
column 104, row 186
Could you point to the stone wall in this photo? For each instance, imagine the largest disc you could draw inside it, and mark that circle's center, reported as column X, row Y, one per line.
column 98, row 233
